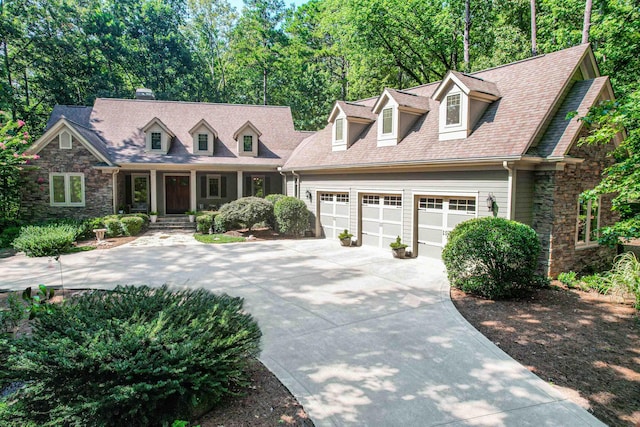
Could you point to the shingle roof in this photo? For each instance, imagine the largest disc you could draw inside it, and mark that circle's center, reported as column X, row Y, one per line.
column 529, row 90
column 115, row 127
column 477, row 84
column 356, row 110
column 411, row 100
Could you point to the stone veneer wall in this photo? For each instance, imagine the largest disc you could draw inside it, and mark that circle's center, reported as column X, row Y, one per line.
column 98, row 186
column 555, row 210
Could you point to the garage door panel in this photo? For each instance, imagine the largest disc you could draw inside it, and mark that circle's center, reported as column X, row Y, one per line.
column 326, row 208
column 429, row 251
column 368, row 239
column 370, row 212
column 430, row 218
column 334, row 213
column 392, row 214
column 372, row 227
column 342, row 209
column 342, row 223
column 386, row 241
column 430, row 235
column 455, row 219
column 392, row 230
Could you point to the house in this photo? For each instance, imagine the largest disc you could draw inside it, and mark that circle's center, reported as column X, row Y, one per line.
column 143, row 155
column 416, row 162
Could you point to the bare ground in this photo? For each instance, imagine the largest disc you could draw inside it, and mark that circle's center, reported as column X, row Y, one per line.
column 585, row 343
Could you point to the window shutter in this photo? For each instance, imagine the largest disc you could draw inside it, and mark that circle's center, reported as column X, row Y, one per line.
column 203, row 187
column 223, row 186
column 267, row 185
column 247, row 186
column 128, row 199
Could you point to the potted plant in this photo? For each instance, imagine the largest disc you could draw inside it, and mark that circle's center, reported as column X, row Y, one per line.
column 153, row 215
column 398, row 248
column 192, row 215
column 121, row 209
column 345, row 238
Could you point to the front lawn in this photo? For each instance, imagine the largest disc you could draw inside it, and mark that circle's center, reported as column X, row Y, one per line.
column 217, row 238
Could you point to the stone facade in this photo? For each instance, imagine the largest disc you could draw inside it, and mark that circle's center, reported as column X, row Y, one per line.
column 36, row 204
column 555, row 209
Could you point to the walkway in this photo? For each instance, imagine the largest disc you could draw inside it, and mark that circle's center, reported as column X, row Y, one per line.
column 360, row 338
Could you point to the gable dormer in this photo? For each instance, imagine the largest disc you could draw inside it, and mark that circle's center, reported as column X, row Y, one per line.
column 463, row 99
column 397, row 112
column 348, row 120
column 157, row 137
column 204, row 137
column 247, row 136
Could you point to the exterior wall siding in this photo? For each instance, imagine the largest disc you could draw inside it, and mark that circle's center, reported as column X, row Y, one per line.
column 98, row 185
column 524, row 197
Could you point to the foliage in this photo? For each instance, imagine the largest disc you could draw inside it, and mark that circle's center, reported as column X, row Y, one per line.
column 37, row 304
column 492, row 257
column 12, row 314
column 345, row 235
column 397, row 244
column 569, row 279
column 8, row 235
column 204, row 223
column 291, row 215
column 89, row 225
column 113, row 226
column 597, row 281
column 46, row 240
column 247, row 211
column 624, row 277
column 131, row 225
column 217, row 238
column 221, row 224
column 140, row 355
column 273, row 198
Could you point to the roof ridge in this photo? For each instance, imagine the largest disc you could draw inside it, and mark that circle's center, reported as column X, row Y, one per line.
column 193, row 102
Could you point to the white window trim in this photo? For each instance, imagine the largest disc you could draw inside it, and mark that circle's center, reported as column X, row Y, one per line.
column 198, row 141
column 244, row 149
column 65, row 146
column 446, row 109
column 335, row 129
column 588, row 243
column 67, row 189
column 390, row 109
column 219, row 178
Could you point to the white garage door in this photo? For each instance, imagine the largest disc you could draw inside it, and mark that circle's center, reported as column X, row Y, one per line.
column 381, row 219
column 437, row 216
column 334, row 213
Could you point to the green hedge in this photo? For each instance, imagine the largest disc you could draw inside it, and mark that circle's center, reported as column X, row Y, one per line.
column 113, row 226
column 204, row 221
column 138, row 356
column 492, row 257
column 46, row 240
column 291, row 215
column 247, row 212
column 131, row 225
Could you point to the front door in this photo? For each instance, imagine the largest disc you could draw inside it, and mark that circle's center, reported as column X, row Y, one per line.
column 177, row 193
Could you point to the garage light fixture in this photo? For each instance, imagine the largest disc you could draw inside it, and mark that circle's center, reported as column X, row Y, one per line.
column 491, row 200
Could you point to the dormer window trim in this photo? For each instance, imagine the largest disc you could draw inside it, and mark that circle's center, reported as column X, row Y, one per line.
column 387, row 121
column 339, row 129
column 156, row 141
column 453, row 100
column 247, row 143
column 151, row 131
column 197, row 132
column 241, row 136
column 203, row 142
column 65, row 140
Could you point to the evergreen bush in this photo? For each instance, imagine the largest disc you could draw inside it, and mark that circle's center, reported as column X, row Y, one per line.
column 247, row 211
column 291, row 215
column 204, row 222
column 113, row 226
column 136, row 355
column 131, row 225
column 46, row 240
column 492, row 257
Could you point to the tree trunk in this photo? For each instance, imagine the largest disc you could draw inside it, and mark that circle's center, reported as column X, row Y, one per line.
column 264, row 85
column 534, row 30
column 587, row 21
column 467, row 28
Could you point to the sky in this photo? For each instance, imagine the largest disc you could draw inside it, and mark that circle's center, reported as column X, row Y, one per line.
column 239, row 3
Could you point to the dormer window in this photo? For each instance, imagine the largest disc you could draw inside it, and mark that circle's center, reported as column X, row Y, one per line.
column 247, row 143
column 203, row 142
column 204, row 136
column 339, row 125
column 156, row 141
column 387, row 120
column 453, row 109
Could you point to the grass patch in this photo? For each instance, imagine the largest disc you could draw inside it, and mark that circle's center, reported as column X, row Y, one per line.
column 217, row 238
column 77, row 249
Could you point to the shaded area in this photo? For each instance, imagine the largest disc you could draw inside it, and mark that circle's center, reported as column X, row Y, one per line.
column 586, row 344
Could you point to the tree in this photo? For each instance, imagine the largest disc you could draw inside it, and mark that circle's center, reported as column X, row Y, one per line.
column 587, row 21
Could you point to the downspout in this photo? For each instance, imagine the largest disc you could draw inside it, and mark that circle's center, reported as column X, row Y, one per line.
column 510, row 188
column 296, row 184
column 115, row 190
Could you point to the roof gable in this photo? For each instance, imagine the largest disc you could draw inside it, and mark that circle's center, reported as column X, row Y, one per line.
column 205, row 124
column 157, row 121
column 249, row 125
column 406, row 101
column 472, row 86
column 353, row 112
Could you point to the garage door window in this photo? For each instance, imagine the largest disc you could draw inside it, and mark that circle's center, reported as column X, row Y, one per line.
column 370, row 200
column 342, row 198
column 393, row 201
column 430, row 203
column 464, row 205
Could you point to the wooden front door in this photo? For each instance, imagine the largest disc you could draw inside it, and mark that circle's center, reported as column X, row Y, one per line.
column 177, row 193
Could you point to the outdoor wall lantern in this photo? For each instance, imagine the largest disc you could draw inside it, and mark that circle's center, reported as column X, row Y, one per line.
column 308, row 194
column 491, row 199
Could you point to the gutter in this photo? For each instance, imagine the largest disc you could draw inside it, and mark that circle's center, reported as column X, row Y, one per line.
column 284, row 178
column 296, row 184
column 510, row 188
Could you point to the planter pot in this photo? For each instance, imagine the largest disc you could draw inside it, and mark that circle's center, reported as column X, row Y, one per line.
column 153, row 218
column 398, row 253
column 192, row 218
column 346, row 241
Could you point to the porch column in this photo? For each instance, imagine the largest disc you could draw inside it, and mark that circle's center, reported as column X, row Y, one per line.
column 240, row 179
column 154, row 191
column 194, row 193
column 115, row 190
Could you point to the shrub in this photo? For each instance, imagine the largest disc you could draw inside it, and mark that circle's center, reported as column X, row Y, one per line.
column 492, row 257
column 89, row 225
column 221, row 224
column 273, row 198
column 569, row 279
column 597, row 282
column 46, row 240
column 204, row 222
column 131, row 225
column 113, row 226
column 143, row 216
column 140, row 356
column 625, row 276
column 291, row 215
column 8, row 235
column 247, row 211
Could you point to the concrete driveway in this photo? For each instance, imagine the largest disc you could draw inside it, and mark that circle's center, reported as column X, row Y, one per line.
column 360, row 338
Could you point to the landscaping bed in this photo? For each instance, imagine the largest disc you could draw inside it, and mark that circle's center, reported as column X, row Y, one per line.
column 584, row 343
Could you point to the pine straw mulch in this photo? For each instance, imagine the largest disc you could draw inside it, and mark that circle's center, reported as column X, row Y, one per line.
column 584, row 343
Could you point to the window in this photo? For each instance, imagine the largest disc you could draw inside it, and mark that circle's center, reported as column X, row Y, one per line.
column 588, row 221
column 453, row 109
column 342, row 198
column 464, row 205
column 326, row 197
column 430, row 203
column 387, row 120
column 65, row 140
column 393, row 201
column 67, row 189
column 247, row 141
column 370, row 200
column 213, row 187
column 339, row 129
column 156, row 141
column 203, row 142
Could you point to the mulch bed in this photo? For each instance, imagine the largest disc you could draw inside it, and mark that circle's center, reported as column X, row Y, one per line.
column 585, row 343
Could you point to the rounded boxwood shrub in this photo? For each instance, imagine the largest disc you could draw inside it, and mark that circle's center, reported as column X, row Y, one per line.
column 131, row 225
column 273, row 198
column 113, row 226
column 247, row 211
column 492, row 257
column 204, row 222
column 136, row 355
column 291, row 215
column 46, row 240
